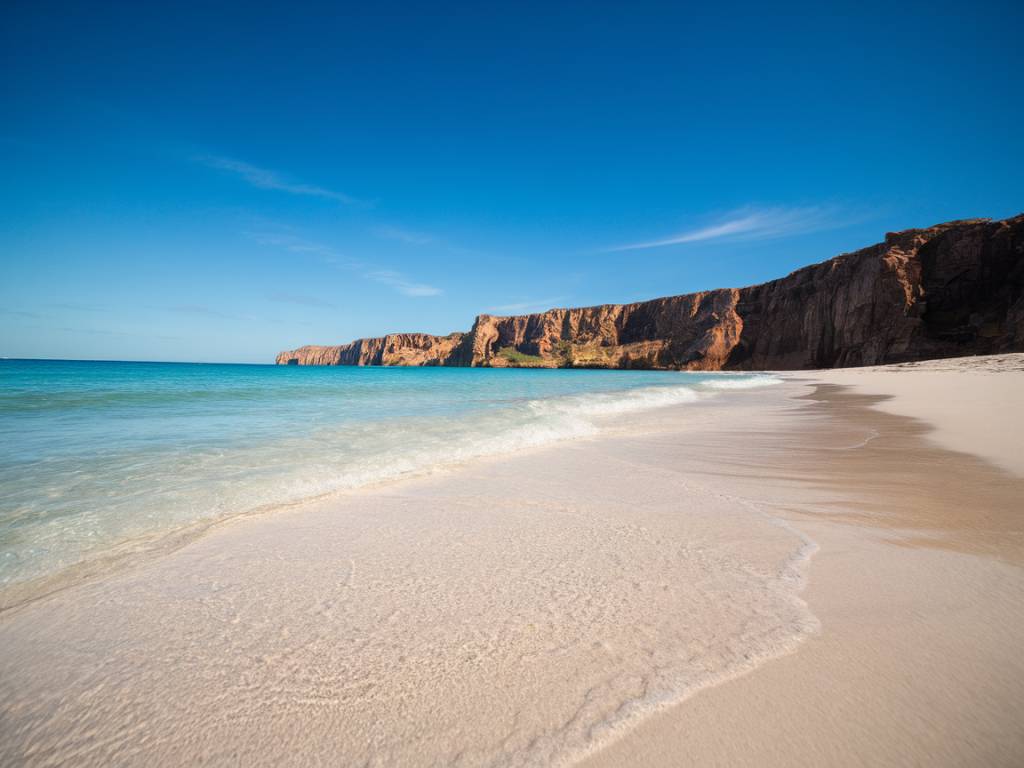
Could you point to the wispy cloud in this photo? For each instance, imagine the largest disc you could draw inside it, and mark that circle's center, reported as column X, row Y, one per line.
column 201, row 310
column 294, row 244
column 751, row 224
column 105, row 332
column 306, row 301
column 21, row 313
column 262, row 178
column 392, row 278
column 527, row 307
column 79, row 307
column 403, row 235
column 401, row 284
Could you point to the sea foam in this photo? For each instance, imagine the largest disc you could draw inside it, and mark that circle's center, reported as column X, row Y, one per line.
column 100, row 454
column 734, row 381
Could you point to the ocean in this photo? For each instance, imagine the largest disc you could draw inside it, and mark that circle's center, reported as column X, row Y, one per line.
column 102, row 457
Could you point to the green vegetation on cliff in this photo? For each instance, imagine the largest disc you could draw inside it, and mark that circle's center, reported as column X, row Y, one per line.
column 521, row 359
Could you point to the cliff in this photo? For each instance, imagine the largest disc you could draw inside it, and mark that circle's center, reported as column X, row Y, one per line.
column 393, row 349
column 949, row 290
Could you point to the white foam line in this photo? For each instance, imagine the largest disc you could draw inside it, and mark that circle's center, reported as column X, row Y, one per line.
column 790, row 581
column 727, row 381
column 562, row 419
column 874, row 433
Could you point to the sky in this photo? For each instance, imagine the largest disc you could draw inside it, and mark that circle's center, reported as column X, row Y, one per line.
column 219, row 182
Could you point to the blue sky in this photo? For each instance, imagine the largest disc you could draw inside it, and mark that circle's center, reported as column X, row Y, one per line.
column 188, row 183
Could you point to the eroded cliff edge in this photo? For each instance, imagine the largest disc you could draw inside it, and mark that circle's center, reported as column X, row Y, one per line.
column 949, row 290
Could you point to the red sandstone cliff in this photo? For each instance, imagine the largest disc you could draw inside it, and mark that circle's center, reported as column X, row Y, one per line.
column 393, row 349
column 948, row 290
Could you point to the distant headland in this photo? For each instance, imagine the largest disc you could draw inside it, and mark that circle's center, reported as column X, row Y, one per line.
column 950, row 290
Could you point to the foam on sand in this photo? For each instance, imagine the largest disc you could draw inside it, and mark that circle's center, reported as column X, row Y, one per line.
column 736, row 381
column 64, row 506
column 522, row 610
column 917, row 583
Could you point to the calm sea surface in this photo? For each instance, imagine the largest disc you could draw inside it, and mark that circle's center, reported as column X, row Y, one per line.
column 94, row 455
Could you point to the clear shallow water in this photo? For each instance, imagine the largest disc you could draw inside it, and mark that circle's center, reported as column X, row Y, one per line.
column 95, row 454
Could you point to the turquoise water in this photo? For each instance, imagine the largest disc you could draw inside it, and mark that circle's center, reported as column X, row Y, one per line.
column 96, row 454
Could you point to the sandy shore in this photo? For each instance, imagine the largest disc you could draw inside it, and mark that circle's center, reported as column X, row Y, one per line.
column 971, row 405
column 918, row 585
column 647, row 597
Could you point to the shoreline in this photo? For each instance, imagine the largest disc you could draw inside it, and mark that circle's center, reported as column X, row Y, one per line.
column 527, row 575
column 592, row 422
column 956, row 397
column 542, row 579
column 919, row 594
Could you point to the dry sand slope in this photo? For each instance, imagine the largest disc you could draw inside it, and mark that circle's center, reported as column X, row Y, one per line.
column 918, row 584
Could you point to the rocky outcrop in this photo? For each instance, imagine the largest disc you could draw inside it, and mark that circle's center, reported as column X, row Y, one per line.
column 691, row 331
column 393, row 349
column 949, row 290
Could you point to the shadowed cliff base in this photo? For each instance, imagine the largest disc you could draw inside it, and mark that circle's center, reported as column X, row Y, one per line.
column 950, row 290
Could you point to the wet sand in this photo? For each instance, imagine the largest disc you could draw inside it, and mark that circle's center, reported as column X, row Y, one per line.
column 970, row 405
column 918, row 585
column 782, row 576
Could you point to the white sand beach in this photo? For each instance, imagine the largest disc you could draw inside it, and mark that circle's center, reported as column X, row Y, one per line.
column 917, row 584
column 805, row 574
column 971, row 404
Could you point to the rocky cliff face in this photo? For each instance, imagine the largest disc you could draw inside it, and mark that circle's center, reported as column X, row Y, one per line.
column 948, row 290
column 393, row 349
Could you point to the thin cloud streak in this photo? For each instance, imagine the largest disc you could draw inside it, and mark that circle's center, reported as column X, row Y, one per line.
column 262, row 178
column 103, row 332
column 201, row 310
column 418, row 238
column 403, row 235
column 328, row 255
column 21, row 313
column 527, row 307
column 301, row 300
column 751, row 224
column 295, row 244
column 397, row 281
column 80, row 307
